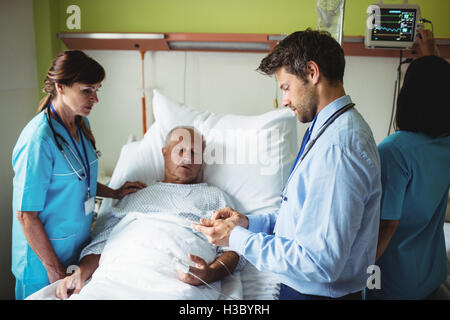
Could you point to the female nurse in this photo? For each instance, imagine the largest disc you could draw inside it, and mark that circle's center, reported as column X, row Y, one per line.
column 55, row 183
column 415, row 176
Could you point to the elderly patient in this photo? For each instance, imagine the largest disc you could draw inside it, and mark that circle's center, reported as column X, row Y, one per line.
column 164, row 211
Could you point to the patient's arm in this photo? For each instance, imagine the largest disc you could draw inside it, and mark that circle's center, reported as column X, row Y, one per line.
column 218, row 271
column 212, row 272
column 88, row 265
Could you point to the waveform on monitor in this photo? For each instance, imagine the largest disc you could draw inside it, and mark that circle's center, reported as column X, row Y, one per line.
column 388, row 29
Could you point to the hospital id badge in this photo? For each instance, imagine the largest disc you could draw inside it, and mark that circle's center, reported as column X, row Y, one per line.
column 89, row 205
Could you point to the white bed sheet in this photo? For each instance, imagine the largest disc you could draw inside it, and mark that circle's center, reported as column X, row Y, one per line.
column 251, row 283
column 447, row 238
column 444, row 290
column 128, row 268
column 257, row 285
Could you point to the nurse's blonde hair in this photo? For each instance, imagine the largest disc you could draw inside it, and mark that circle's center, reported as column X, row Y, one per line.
column 67, row 68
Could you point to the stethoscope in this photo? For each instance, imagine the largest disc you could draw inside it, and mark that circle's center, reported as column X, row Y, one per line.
column 60, row 147
column 311, row 143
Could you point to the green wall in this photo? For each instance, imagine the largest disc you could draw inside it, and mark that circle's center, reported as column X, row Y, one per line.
column 222, row 16
column 46, row 15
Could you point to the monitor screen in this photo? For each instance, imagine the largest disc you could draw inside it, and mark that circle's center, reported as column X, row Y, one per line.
column 395, row 25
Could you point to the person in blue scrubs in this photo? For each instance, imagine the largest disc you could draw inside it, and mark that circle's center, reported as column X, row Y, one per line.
column 415, row 163
column 55, row 176
column 323, row 237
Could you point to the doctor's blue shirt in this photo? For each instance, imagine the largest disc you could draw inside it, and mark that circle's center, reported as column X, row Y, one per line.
column 324, row 236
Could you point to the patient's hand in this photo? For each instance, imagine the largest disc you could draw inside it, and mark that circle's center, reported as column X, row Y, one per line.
column 70, row 285
column 201, row 270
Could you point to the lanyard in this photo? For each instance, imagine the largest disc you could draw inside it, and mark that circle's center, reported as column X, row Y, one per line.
column 305, row 150
column 304, row 143
column 85, row 164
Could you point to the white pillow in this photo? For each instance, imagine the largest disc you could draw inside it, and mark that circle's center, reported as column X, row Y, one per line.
column 248, row 157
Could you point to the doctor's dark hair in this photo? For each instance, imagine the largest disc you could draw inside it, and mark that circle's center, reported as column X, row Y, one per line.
column 297, row 49
column 423, row 102
column 67, row 68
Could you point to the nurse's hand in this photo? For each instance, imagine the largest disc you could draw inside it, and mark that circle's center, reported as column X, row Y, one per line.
column 56, row 274
column 127, row 188
column 427, row 43
column 70, row 285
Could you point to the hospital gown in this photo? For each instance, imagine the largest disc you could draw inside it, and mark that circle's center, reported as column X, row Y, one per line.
column 190, row 201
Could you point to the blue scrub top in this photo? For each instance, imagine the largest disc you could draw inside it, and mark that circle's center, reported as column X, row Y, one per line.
column 416, row 179
column 45, row 182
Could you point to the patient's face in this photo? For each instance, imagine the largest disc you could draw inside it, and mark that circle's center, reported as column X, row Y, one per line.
column 183, row 156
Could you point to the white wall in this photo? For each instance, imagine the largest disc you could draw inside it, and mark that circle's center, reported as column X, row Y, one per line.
column 218, row 82
column 18, row 103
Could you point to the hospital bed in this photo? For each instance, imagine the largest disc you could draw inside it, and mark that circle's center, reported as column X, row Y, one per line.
column 253, row 181
column 247, row 157
column 444, row 290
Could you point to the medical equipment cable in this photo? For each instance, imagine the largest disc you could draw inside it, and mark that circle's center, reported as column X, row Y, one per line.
column 212, row 287
column 396, row 85
column 223, row 264
column 397, row 88
column 179, row 265
column 423, row 20
column 184, row 77
column 184, row 267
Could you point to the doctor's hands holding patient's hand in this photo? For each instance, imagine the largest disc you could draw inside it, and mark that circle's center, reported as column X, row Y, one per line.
column 230, row 213
column 218, row 229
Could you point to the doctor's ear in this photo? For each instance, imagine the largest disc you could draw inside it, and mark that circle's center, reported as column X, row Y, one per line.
column 164, row 151
column 313, row 71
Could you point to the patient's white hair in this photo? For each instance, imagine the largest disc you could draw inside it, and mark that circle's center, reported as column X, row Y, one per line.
column 195, row 130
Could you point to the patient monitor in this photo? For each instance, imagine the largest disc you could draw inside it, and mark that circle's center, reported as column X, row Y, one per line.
column 392, row 26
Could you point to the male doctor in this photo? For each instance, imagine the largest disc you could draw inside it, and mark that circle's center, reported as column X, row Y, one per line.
column 324, row 236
